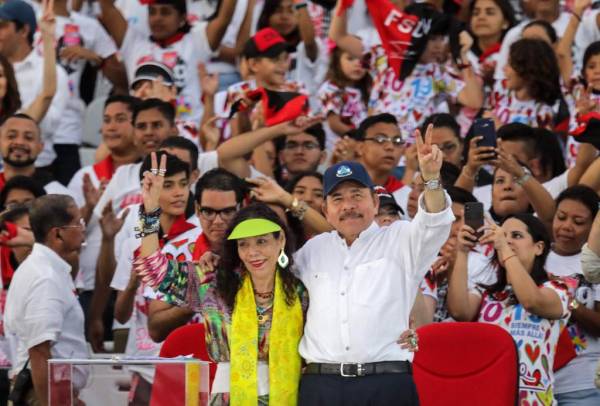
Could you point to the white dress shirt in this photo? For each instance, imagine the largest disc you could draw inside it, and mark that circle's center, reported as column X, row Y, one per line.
column 42, row 305
column 30, row 76
column 361, row 296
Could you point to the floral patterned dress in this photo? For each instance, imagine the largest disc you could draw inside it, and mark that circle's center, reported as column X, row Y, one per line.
column 536, row 340
column 186, row 284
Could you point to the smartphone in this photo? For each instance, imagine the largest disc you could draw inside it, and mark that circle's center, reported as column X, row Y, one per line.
column 474, row 216
column 485, row 128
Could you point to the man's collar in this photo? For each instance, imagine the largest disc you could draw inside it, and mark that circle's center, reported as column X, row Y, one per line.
column 51, row 257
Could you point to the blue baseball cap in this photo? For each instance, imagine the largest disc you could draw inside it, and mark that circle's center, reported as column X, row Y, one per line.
column 345, row 171
column 17, row 10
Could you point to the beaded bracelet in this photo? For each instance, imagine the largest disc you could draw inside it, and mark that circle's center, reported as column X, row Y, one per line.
column 148, row 223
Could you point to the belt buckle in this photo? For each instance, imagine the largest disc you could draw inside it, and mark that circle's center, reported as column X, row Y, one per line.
column 344, row 374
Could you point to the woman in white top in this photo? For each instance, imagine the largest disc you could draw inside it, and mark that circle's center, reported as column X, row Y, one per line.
column 576, row 209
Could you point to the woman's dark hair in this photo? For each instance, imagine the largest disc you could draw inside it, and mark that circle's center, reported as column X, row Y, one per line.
column 592, row 50
column 443, row 120
column 181, row 7
column 337, row 77
column 11, row 102
column 582, row 194
column 15, row 213
column 535, row 62
column 505, row 8
column 20, row 182
column 538, row 232
column 269, row 9
column 550, row 151
column 546, row 26
column 229, row 279
column 294, row 181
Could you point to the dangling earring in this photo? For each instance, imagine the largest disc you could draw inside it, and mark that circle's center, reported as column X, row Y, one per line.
column 283, row 260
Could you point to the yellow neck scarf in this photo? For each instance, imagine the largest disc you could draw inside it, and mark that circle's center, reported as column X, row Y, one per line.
column 284, row 337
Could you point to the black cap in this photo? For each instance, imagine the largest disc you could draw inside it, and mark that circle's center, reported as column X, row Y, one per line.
column 387, row 199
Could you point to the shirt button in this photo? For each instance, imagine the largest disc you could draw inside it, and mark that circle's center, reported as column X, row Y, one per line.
column 345, row 321
column 343, row 293
column 347, row 348
column 346, row 268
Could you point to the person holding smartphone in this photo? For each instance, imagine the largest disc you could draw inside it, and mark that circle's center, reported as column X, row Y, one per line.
column 523, row 301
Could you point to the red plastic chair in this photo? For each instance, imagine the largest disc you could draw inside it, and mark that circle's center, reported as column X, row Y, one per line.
column 466, row 364
column 185, row 340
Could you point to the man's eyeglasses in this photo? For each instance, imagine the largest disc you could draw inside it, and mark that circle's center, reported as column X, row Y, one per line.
column 381, row 139
column 80, row 225
column 226, row 214
column 308, row 145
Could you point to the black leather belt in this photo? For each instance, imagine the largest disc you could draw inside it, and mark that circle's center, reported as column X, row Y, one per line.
column 354, row 370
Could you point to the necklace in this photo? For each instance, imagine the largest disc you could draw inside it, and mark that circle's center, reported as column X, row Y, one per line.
column 264, row 295
column 263, row 313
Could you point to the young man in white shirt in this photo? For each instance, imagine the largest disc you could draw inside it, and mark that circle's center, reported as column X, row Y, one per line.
column 362, row 281
column 20, row 146
column 42, row 309
column 17, row 27
column 87, row 184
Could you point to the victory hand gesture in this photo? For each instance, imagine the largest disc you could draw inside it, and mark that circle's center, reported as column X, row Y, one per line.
column 152, row 183
column 430, row 157
column 48, row 19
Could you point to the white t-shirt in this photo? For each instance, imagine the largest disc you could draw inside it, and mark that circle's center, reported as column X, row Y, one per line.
column 182, row 57
column 76, row 30
column 554, row 186
column 30, row 75
column 310, row 73
column 579, row 373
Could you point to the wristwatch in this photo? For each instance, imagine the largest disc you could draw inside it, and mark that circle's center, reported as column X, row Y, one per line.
column 433, row 184
column 526, row 176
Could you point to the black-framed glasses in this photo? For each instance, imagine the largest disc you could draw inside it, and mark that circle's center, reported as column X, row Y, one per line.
column 381, row 139
column 308, row 145
column 226, row 213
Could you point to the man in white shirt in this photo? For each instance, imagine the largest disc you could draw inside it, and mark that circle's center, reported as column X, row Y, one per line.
column 42, row 309
column 20, row 145
column 17, row 26
column 362, row 281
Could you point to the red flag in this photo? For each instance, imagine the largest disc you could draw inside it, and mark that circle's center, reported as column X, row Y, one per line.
column 396, row 30
column 278, row 107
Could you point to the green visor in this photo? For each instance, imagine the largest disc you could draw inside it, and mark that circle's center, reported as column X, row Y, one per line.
column 253, row 228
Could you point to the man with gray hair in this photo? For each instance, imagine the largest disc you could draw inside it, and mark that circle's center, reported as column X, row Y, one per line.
column 42, row 310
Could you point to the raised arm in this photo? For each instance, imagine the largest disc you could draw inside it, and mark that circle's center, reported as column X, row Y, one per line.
column 113, row 21
column 236, row 148
column 541, row 301
column 338, row 28
column 430, row 162
column 541, row 200
column 40, row 105
column 307, row 30
column 564, row 48
column 218, row 26
column 462, row 304
column 472, row 94
column 268, row 191
column 478, row 156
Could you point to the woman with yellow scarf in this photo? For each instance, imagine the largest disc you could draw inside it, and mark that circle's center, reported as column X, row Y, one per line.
column 253, row 306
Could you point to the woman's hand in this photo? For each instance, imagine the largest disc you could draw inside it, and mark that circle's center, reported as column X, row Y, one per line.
column 267, row 190
column 466, row 239
column 344, row 150
column 24, row 238
column 156, row 89
column 152, row 183
column 478, row 156
column 495, row 235
column 110, row 223
column 298, row 125
column 209, row 260
column 508, row 163
column 466, row 43
column 209, row 82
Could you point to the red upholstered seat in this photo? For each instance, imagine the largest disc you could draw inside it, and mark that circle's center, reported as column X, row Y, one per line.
column 184, row 340
column 466, row 364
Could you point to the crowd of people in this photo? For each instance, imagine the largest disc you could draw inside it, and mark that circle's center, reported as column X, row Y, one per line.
column 300, row 177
